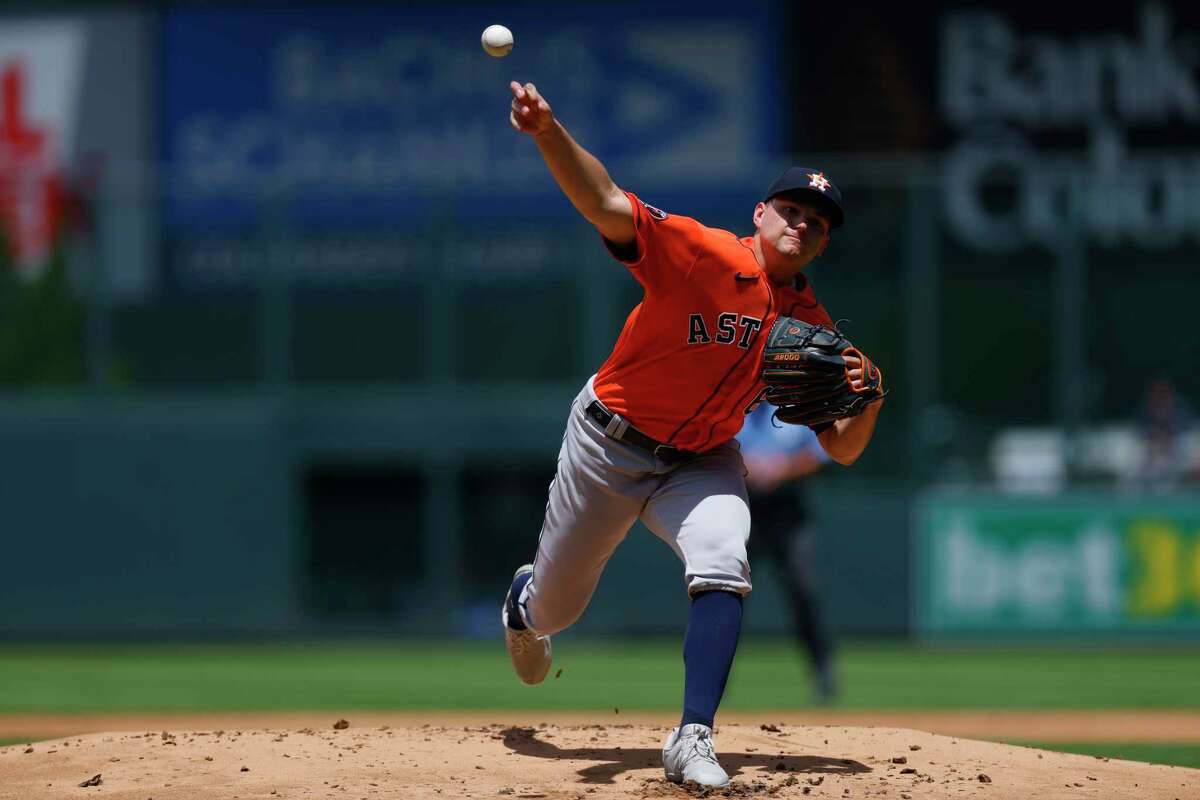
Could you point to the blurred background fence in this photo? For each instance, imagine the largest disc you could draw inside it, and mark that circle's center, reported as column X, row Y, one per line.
column 290, row 319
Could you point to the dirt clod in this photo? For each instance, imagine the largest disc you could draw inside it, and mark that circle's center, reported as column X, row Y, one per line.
column 95, row 780
column 769, row 727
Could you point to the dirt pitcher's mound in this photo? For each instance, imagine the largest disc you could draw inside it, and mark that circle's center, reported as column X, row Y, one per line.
column 560, row 761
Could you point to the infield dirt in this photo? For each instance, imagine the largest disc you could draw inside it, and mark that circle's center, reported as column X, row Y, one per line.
column 490, row 759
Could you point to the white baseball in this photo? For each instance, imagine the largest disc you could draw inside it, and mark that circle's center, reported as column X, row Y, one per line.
column 497, row 41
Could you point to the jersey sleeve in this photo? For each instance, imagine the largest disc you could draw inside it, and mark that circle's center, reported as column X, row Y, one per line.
column 666, row 244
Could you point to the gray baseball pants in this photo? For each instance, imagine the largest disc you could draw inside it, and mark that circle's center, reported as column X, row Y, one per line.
column 602, row 486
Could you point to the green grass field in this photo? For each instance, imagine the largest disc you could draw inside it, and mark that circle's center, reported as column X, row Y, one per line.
column 633, row 675
column 769, row 674
column 1181, row 755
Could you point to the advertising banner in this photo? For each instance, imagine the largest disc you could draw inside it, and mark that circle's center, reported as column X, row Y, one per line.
column 1043, row 118
column 73, row 142
column 41, row 66
column 346, row 117
column 996, row 566
column 1103, row 119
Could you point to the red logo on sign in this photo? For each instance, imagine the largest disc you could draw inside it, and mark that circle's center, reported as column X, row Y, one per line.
column 32, row 190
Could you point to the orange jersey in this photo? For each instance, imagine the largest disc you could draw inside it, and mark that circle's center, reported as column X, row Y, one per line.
column 685, row 369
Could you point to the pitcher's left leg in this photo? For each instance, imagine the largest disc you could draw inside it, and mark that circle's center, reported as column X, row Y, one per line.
column 702, row 513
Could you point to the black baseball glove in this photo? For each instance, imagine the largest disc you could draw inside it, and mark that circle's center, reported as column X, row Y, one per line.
column 804, row 367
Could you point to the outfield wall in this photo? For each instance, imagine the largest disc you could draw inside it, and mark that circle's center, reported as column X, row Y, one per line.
column 381, row 512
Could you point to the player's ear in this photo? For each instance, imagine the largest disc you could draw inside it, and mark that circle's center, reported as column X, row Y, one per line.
column 759, row 210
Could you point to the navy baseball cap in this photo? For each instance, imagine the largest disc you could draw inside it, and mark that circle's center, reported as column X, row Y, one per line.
column 811, row 182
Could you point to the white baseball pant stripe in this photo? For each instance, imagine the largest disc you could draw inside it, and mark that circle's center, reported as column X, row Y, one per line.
column 602, row 486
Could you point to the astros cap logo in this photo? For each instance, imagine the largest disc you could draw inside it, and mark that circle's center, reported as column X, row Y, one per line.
column 811, row 181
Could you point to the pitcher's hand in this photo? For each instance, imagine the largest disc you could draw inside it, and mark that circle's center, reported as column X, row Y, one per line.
column 530, row 112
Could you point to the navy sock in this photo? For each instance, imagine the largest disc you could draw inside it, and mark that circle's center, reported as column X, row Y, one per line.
column 514, row 594
column 714, row 624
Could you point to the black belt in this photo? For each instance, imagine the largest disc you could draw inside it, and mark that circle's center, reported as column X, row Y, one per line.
column 633, row 436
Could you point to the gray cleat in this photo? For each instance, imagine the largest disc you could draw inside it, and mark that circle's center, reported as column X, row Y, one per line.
column 688, row 756
column 530, row 653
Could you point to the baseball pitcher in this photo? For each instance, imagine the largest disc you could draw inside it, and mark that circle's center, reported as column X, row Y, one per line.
column 725, row 321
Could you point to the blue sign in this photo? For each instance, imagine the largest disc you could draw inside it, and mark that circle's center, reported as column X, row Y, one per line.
column 374, row 115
